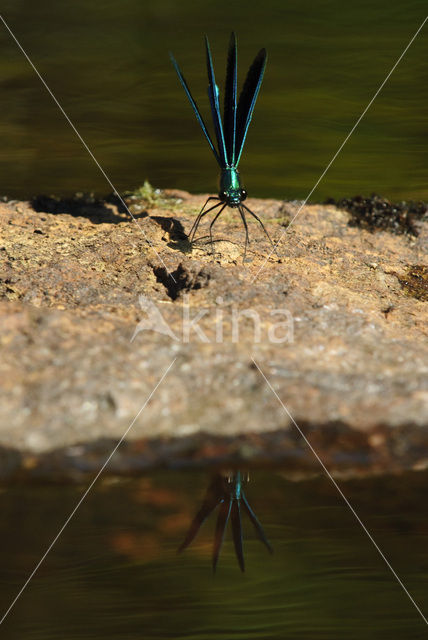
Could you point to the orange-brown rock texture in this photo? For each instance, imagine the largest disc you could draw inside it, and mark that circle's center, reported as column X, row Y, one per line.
column 91, row 318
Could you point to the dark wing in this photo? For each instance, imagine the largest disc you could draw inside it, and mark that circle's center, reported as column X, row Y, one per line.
column 206, row 509
column 258, row 527
column 195, row 108
column 237, row 533
column 229, row 114
column 215, row 108
column 247, row 101
column 222, row 520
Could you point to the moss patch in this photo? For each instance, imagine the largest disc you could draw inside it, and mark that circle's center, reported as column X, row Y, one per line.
column 149, row 196
column 415, row 282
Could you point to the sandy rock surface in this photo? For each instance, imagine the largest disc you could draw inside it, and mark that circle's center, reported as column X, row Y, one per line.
column 91, row 319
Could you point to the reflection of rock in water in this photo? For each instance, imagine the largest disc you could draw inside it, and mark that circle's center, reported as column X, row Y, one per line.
column 226, row 492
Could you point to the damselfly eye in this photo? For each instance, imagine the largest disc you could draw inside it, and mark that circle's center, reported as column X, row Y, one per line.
column 222, row 195
column 243, row 194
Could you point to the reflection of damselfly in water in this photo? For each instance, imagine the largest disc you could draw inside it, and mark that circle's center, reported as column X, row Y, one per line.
column 230, row 131
column 226, row 491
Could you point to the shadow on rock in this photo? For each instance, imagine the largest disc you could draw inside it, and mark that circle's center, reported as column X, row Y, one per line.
column 177, row 235
column 98, row 211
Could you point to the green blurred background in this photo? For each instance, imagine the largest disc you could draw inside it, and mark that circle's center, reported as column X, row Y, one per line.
column 115, row 572
column 107, row 62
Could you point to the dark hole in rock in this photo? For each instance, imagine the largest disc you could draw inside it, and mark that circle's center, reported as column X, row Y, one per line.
column 184, row 278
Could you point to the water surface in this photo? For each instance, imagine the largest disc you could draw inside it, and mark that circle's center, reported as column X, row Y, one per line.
column 115, row 572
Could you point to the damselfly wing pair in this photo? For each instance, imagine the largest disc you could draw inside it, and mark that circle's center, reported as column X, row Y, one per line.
column 230, row 133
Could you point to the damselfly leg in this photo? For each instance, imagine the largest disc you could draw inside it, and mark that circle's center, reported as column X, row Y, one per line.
column 201, row 214
column 211, row 228
column 247, row 239
column 262, row 226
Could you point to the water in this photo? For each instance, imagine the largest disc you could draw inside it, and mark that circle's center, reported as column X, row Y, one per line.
column 107, row 62
column 115, row 572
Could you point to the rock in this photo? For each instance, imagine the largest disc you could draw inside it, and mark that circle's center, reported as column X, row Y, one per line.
column 91, row 319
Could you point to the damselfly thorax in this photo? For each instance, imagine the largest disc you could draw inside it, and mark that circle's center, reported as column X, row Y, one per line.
column 231, row 191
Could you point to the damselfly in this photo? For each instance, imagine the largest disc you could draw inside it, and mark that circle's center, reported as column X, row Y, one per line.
column 230, row 132
column 227, row 493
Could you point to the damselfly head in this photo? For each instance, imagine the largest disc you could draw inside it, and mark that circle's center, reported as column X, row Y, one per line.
column 233, row 198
